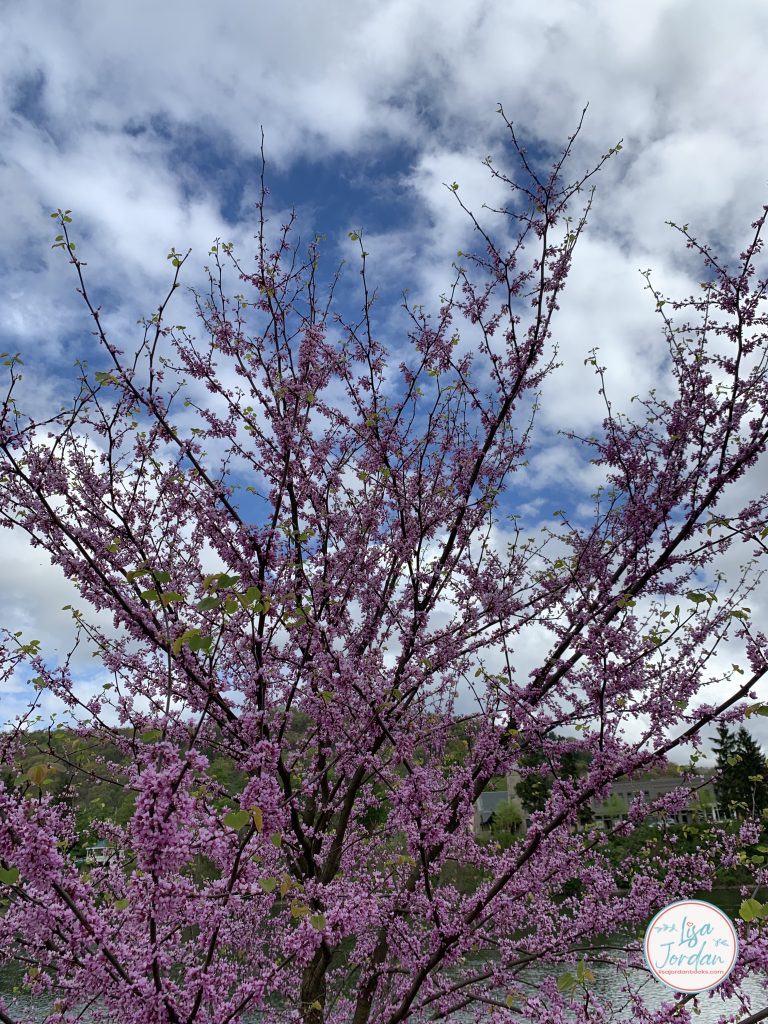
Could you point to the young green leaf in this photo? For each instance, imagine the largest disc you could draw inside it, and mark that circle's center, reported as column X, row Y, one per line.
column 752, row 910
column 236, row 819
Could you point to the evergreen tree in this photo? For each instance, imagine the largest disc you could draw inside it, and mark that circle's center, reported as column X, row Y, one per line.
column 534, row 789
column 724, row 749
column 506, row 823
column 752, row 774
column 743, row 773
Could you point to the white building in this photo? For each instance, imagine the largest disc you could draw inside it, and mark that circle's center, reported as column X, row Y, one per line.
column 102, row 853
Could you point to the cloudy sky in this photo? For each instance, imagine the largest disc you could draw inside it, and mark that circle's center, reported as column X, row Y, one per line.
column 145, row 120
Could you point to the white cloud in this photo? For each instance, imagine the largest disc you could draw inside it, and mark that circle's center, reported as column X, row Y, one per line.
column 680, row 81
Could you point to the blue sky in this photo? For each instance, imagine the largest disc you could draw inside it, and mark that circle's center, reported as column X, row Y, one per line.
column 145, row 120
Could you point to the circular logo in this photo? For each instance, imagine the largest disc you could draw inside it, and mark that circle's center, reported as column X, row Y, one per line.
column 691, row 946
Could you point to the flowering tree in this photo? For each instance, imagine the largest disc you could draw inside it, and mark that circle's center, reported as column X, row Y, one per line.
column 308, row 571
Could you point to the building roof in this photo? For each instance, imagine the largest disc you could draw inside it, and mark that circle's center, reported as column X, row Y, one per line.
column 489, row 802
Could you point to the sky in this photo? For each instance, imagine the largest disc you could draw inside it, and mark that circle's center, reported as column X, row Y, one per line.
column 146, row 121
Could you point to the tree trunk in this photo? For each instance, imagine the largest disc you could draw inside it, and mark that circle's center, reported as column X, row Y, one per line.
column 313, row 987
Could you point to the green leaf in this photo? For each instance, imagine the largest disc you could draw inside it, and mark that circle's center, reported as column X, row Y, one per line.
column 269, row 884
column 258, row 818
column 134, row 574
column 38, row 773
column 150, row 595
column 121, row 904
column 208, row 603
column 8, row 876
column 751, row 910
column 583, row 973
column 170, row 597
column 179, row 642
column 317, row 921
column 251, row 595
column 299, row 910
column 236, row 819
column 200, row 643
column 696, row 598
column 219, row 580
column 566, row 982
column 276, row 839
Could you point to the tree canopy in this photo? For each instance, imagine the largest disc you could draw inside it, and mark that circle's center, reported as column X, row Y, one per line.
column 297, row 519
